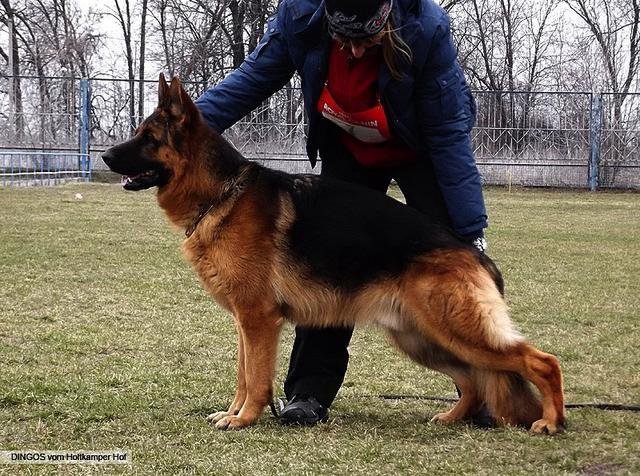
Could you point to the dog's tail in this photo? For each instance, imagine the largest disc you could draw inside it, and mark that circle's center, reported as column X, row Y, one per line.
column 488, row 264
column 509, row 397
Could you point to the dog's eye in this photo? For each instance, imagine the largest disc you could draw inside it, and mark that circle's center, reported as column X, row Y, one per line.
column 147, row 135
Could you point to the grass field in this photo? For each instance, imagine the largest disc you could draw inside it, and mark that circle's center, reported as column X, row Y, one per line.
column 107, row 341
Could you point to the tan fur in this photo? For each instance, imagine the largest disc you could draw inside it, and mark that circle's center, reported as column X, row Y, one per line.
column 499, row 330
column 508, row 396
column 444, row 311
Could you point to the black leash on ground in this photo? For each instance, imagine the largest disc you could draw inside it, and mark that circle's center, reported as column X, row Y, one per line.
column 280, row 402
column 599, row 406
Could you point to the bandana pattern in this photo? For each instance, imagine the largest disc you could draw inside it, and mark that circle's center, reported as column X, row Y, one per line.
column 347, row 26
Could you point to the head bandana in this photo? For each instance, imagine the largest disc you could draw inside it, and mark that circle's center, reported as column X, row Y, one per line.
column 357, row 26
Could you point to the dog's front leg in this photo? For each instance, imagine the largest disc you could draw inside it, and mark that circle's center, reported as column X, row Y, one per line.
column 260, row 332
column 241, row 387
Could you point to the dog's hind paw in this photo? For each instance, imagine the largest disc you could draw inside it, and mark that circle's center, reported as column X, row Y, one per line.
column 543, row 426
column 444, row 418
column 232, row 422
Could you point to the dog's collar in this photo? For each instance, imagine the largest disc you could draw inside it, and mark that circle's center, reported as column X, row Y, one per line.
column 232, row 190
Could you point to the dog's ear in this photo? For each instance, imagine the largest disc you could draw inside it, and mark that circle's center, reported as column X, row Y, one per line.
column 181, row 106
column 163, row 91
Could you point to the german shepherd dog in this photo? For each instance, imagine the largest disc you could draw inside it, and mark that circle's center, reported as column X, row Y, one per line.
column 270, row 246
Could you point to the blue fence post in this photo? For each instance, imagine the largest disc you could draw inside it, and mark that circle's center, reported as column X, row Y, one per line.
column 85, row 124
column 595, row 132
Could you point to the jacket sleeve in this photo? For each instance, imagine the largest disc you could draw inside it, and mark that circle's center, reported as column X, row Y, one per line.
column 263, row 72
column 447, row 114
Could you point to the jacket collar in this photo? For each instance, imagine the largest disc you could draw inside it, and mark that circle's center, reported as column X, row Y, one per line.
column 406, row 13
column 309, row 19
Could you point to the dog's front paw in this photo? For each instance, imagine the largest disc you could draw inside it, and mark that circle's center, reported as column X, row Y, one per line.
column 217, row 416
column 232, row 422
column 547, row 427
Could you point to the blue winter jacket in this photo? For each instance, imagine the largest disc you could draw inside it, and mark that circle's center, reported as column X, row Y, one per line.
column 430, row 108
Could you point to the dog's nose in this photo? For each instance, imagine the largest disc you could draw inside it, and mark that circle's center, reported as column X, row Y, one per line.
column 108, row 156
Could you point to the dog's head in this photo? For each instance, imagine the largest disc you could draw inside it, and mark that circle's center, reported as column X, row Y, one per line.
column 156, row 153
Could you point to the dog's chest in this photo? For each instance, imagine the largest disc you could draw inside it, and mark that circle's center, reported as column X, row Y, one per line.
column 212, row 267
column 229, row 272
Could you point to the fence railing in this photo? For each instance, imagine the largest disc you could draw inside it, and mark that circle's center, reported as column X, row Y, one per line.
column 576, row 139
column 533, row 138
column 23, row 168
column 619, row 139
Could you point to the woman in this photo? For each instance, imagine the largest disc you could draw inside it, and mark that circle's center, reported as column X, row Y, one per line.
column 385, row 99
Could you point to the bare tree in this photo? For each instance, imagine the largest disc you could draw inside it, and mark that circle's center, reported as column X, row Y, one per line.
column 122, row 14
column 257, row 14
column 235, row 31
column 615, row 26
column 142, row 59
column 13, row 59
column 449, row 5
column 159, row 12
column 52, row 38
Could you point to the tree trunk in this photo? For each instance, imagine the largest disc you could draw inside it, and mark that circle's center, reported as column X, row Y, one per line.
column 15, row 88
column 124, row 18
column 237, row 9
column 143, row 26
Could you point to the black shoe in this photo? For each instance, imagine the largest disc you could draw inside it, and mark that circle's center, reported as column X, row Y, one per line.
column 302, row 410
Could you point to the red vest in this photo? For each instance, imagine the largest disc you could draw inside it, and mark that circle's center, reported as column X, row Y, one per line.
column 351, row 100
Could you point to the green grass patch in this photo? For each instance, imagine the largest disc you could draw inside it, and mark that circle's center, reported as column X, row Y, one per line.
column 108, row 341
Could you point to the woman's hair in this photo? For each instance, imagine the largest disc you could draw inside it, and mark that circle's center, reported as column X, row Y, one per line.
column 394, row 49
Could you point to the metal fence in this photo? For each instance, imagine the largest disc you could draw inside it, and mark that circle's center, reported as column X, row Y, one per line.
column 619, row 139
column 44, row 130
column 575, row 139
column 527, row 138
column 24, row 168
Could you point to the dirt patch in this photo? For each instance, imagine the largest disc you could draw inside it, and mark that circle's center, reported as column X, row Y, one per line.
column 601, row 469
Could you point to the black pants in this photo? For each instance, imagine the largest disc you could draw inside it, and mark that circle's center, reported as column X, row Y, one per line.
column 319, row 357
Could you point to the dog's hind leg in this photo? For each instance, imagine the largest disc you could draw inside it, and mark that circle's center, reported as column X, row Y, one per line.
column 504, row 393
column 260, row 330
column 241, row 385
column 455, row 302
column 428, row 353
column 467, row 405
column 544, row 371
